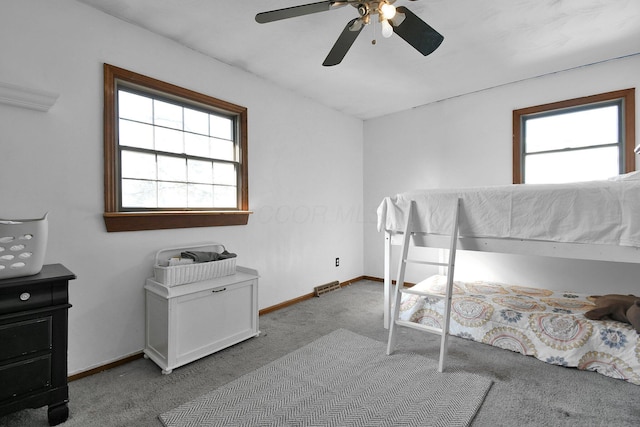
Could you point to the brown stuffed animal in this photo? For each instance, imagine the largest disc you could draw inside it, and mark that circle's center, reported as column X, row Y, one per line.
column 623, row 308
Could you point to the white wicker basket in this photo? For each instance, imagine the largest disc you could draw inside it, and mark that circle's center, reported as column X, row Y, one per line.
column 23, row 243
column 189, row 273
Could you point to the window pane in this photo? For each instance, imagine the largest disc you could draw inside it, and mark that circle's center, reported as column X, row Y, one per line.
column 221, row 127
column 224, row 197
column 196, row 121
column 224, row 173
column 135, row 107
column 200, row 171
column 172, row 169
column 200, row 196
column 138, row 165
column 134, row 134
column 169, row 140
column 172, row 195
column 138, row 194
column 572, row 166
column 222, row 149
column 166, row 114
column 196, row 145
column 570, row 130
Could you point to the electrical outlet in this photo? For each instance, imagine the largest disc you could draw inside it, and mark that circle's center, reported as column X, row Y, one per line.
column 337, row 262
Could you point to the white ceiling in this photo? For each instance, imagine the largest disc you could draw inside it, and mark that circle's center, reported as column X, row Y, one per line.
column 487, row 43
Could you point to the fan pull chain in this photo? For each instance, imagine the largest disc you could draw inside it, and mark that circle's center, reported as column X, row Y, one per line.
column 373, row 41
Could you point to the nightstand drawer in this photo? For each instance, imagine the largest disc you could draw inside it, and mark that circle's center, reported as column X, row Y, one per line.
column 24, row 377
column 24, row 338
column 21, row 298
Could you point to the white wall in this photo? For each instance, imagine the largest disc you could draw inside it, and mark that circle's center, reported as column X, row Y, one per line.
column 305, row 178
column 465, row 142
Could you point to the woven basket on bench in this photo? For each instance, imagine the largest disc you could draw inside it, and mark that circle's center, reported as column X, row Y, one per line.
column 189, row 273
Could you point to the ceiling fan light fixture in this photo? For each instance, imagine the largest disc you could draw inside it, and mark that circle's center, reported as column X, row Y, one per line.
column 387, row 11
column 387, row 29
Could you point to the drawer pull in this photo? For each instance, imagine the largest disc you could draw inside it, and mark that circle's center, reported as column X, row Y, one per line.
column 219, row 290
column 25, row 296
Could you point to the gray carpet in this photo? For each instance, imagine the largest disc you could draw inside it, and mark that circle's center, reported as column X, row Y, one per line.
column 526, row 392
column 341, row 379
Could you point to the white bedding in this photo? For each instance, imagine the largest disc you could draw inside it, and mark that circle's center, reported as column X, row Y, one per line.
column 595, row 212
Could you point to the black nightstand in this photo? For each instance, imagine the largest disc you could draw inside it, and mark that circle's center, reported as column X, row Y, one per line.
column 33, row 342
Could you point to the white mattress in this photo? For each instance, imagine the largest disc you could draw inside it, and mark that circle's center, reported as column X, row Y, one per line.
column 595, row 212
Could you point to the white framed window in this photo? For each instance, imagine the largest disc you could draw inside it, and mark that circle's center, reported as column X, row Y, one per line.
column 581, row 139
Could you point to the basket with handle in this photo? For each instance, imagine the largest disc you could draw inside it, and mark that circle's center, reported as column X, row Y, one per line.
column 23, row 243
column 188, row 273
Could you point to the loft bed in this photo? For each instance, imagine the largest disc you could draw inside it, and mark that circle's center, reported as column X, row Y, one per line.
column 597, row 220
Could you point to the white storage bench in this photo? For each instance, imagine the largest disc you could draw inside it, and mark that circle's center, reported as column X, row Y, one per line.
column 187, row 322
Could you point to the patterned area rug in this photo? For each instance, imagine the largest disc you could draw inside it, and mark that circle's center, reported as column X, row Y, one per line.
column 341, row 379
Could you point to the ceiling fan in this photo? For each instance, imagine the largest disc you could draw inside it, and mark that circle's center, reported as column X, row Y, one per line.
column 399, row 20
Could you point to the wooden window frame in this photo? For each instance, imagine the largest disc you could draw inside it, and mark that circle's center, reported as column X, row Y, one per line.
column 629, row 116
column 116, row 220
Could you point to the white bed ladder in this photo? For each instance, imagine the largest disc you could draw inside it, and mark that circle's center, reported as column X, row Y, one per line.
column 400, row 290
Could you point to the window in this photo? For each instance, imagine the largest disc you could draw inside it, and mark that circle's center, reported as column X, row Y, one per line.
column 173, row 158
column 576, row 140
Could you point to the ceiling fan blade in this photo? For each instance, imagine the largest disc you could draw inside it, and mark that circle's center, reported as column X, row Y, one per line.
column 344, row 42
column 415, row 31
column 292, row 12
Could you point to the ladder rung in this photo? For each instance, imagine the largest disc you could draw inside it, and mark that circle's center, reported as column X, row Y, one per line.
column 421, row 293
column 420, row 326
column 415, row 261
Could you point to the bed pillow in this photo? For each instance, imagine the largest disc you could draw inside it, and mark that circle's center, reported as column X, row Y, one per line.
column 631, row 176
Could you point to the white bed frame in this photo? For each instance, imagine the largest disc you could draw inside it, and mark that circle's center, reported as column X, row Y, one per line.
column 612, row 253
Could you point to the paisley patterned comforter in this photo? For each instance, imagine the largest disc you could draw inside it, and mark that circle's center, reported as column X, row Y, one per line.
column 548, row 325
